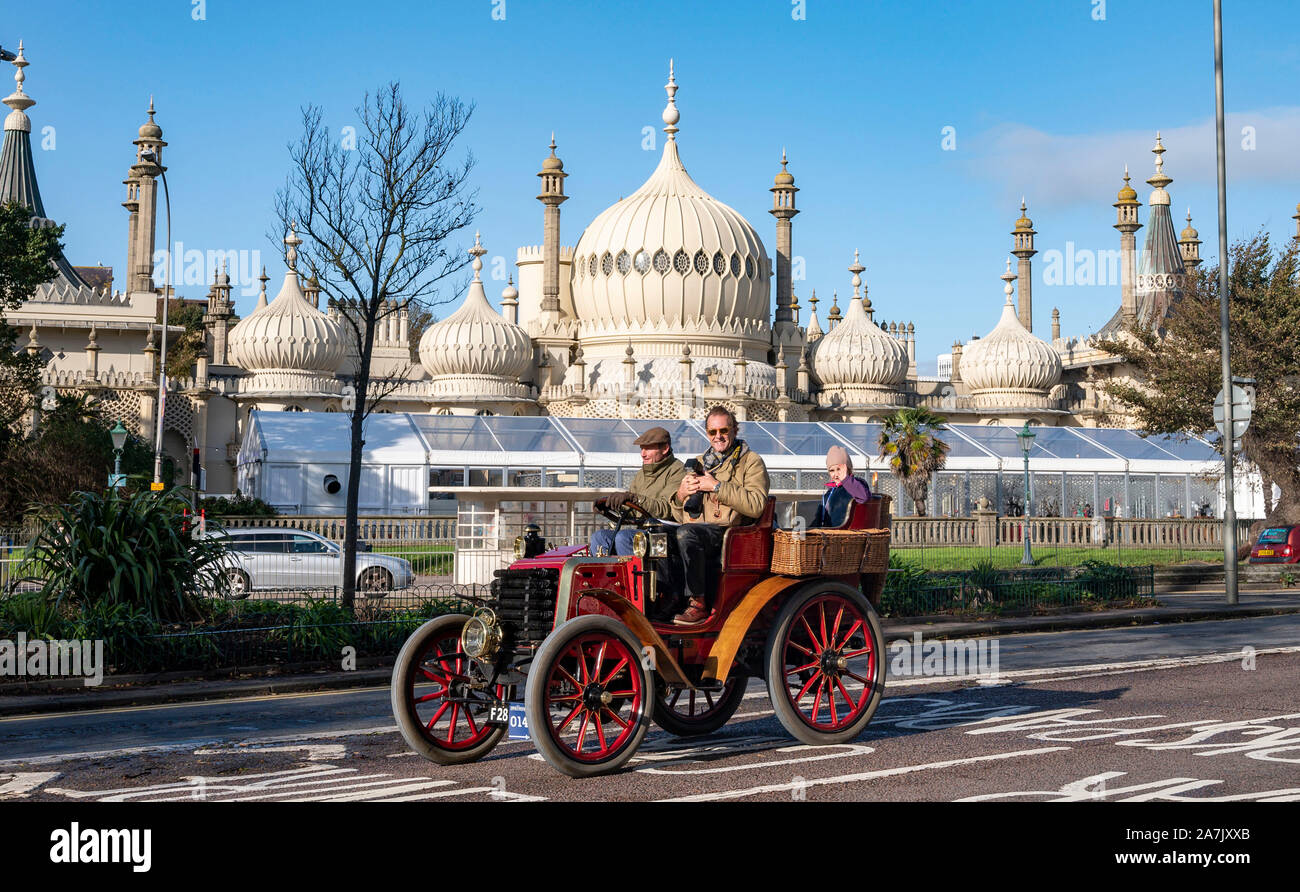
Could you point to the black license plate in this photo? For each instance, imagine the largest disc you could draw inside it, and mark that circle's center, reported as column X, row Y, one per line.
column 499, row 713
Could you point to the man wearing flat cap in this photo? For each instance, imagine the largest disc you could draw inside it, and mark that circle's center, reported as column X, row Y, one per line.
column 652, row 489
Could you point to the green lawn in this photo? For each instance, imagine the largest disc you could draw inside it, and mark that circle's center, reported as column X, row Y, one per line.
column 426, row 560
column 1009, row 556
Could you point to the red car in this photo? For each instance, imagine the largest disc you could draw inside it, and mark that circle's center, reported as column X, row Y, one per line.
column 565, row 638
column 1277, row 545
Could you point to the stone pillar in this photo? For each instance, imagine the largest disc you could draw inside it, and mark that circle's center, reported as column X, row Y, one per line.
column 986, row 527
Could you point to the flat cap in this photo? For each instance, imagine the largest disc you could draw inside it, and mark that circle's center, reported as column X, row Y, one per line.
column 656, row 436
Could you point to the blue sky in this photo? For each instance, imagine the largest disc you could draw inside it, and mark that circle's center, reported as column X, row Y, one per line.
column 1046, row 98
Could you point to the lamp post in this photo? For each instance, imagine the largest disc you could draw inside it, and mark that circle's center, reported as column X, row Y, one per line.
column 118, row 435
column 1026, row 438
column 152, row 157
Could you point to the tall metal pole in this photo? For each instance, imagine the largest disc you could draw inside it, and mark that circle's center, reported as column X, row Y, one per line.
column 1027, row 558
column 162, row 362
column 1229, row 507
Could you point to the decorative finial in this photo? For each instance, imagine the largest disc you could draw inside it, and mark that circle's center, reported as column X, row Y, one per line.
column 671, row 114
column 857, row 269
column 18, row 100
column 1008, row 277
column 477, row 251
column 783, row 162
column 834, row 314
column 292, row 240
column 628, row 352
column 151, row 112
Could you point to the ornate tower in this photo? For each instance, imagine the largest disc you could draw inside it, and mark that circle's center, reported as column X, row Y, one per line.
column 1023, row 248
column 552, row 196
column 783, row 190
column 217, row 318
column 1161, row 272
column 1189, row 244
column 142, row 203
column 1126, row 221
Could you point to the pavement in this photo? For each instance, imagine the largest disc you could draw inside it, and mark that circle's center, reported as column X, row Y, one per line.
column 145, row 690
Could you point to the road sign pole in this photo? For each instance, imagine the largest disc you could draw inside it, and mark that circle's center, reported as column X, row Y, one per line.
column 1229, row 508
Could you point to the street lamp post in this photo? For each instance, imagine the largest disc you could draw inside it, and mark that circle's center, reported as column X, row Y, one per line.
column 1026, row 438
column 118, row 435
column 152, row 157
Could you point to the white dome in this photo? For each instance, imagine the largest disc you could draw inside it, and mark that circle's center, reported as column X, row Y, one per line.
column 858, row 354
column 1009, row 359
column 476, row 340
column 289, row 333
column 671, row 254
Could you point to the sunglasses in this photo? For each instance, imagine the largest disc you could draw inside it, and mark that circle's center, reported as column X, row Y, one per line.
column 718, row 431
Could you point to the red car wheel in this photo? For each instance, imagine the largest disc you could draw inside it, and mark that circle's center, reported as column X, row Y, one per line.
column 686, row 713
column 441, row 716
column 826, row 664
column 589, row 696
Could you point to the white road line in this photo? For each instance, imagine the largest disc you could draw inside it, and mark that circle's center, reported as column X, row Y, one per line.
column 863, row 776
column 113, row 710
column 992, row 678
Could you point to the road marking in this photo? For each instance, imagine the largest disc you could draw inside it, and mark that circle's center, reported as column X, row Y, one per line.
column 117, row 710
column 863, row 776
column 24, row 782
column 996, row 678
column 853, row 750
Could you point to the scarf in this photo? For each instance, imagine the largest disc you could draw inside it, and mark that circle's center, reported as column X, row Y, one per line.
column 712, row 460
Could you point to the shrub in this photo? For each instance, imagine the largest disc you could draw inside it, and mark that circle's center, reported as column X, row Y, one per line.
column 238, row 505
column 129, row 549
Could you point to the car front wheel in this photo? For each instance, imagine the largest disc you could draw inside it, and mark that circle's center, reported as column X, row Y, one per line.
column 375, row 582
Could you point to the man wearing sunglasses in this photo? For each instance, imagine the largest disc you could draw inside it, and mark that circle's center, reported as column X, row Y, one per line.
column 733, row 481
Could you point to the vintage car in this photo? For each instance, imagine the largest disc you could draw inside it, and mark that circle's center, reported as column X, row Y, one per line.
column 567, row 633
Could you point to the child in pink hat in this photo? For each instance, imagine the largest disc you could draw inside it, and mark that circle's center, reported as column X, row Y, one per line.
column 842, row 492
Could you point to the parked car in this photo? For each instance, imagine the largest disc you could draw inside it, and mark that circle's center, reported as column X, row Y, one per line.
column 266, row 558
column 1277, row 545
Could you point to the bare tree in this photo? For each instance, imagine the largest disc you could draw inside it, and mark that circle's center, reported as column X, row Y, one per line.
column 378, row 207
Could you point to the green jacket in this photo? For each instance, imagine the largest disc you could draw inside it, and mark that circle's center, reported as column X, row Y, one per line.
column 654, row 485
column 741, row 495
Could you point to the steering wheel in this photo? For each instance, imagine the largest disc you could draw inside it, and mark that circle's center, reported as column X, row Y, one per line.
column 628, row 512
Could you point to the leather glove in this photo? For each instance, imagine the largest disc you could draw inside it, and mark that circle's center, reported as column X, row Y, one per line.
column 615, row 500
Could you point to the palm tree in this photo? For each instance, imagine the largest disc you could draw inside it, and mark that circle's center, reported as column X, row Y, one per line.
column 909, row 442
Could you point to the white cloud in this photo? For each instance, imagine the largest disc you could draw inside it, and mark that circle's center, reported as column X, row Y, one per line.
column 1065, row 169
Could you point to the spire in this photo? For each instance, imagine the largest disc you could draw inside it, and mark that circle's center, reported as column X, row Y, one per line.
column 1159, row 181
column 477, row 253
column 814, row 331
column 834, row 315
column 18, row 100
column 1008, row 277
column 671, row 114
column 292, row 240
column 857, row 269
column 261, row 297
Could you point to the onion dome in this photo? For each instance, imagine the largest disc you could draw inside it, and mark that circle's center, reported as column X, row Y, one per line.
column 551, row 162
column 1127, row 193
column 1024, row 224
column 475, row 341
column 1188, row 234
column 289, row 334
column 857, row 362
column 1009, row 367
column 670, row 262
column 784, row 178
column 150, row 129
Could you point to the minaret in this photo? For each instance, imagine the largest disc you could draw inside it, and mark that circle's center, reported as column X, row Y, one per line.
column 1056, row 324
column 1023, row 248
column 217, row 319
column 814, row 332
column 142, row 203
column 261, row 295
column 783, row 209
column 510, row 303
column 1189, row 244
column 1126, row 221
column 552, row 196
column 833, row 317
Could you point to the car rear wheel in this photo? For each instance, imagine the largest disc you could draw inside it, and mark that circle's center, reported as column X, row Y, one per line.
column 439, row 710
column 589, row 696
column 686, row 713
column 375, row 582
column 237, row 585
column 826, row 664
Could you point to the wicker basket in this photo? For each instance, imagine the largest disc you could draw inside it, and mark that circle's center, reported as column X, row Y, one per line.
column 821, row 552
column 875, row 558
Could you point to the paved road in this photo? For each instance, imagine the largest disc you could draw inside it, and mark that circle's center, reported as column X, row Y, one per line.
column 1197, row 710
